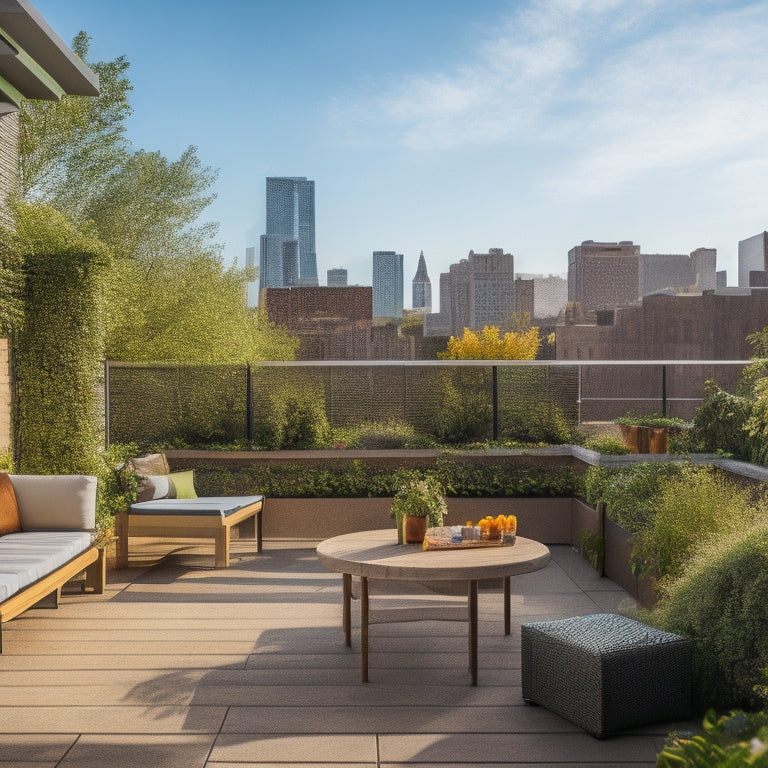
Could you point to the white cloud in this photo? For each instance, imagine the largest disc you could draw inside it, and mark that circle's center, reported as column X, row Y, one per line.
column 621, row 87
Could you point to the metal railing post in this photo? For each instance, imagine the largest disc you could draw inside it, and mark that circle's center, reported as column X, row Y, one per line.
column 664, row 390
column 106, row 404
column 248, row 405
column 495, row 400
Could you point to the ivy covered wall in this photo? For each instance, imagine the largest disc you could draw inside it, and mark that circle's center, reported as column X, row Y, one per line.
column 58, row 347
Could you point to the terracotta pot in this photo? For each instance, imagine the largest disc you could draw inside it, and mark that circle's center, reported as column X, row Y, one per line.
column 414, row 529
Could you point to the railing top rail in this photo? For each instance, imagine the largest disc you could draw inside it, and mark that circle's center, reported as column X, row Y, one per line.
column 433, row 363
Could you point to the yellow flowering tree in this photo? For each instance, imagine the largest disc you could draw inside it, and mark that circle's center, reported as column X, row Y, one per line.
column 489, row 344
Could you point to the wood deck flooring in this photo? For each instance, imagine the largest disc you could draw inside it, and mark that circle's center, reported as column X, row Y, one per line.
column 179, row 665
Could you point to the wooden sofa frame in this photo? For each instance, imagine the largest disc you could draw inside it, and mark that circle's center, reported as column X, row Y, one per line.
column 46, row 591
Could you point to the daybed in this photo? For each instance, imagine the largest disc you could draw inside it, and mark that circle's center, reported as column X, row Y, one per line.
column 168, row 507
column 47, row 532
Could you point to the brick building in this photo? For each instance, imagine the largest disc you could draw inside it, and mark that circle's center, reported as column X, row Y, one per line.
column 710, row 326
column 331, row 323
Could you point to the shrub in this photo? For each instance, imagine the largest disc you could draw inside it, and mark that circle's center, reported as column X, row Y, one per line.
column 608, row 445
column 296, row 419
column 691, row 509
column 730, row 741
column 465, row 412
column 719, row 603
column 540, row 422
column 718, row 424
column 630, row 493
column 382, row 435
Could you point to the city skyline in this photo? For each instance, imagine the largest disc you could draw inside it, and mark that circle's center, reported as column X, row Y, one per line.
column 536, row 124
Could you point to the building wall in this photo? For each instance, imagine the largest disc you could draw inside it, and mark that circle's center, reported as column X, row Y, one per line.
column 711, row 326
column 753, row 257
column 387, row 284
column 604, row 275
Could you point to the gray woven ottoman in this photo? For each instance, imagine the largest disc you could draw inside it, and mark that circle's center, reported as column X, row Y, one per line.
column 606, row 672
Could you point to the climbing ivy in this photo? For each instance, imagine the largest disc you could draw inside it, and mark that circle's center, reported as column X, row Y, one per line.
column 58, row 345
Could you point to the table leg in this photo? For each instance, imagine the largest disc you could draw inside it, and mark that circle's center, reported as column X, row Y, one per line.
column 346, row 603
column 507, row 607
column 472, row 621
column 364, row 626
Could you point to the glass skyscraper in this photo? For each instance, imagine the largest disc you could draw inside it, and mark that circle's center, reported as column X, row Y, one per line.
column 287, row 255
column 387, row 284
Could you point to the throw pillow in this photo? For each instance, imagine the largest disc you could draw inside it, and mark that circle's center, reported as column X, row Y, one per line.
column 155, row 487
column 9, row 509
column 184, row 484
column 153, row 464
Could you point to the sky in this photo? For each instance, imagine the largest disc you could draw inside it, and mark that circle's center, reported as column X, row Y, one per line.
column 446, row 126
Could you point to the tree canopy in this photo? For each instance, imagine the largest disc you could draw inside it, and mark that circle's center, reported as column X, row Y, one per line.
column 489, row 344
column 169, row 296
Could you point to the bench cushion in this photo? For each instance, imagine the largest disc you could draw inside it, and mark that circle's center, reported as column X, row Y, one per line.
column 220, row 506
column 28, row 556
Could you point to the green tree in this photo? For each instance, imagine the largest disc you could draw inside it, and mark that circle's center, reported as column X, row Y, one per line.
column 169, row 295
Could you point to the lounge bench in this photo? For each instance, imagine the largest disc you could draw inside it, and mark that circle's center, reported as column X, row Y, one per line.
column 210, row 517
column 48, row 543
column 168, row 507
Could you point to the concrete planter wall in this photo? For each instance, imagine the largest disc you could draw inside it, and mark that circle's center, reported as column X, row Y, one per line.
column 548, row 520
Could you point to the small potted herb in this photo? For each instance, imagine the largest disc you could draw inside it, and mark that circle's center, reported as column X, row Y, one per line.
column 418, row 504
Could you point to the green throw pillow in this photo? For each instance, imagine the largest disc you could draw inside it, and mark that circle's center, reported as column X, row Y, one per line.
column 184, row 484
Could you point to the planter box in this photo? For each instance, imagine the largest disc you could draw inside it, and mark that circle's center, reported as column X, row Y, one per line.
column 547, row 520
column 645, row 439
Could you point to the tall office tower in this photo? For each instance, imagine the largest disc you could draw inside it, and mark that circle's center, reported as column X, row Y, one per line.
column 336, row 278
column 753, row 257
column 422, row 287
column 252, row 286
column 290, row 217
column 604, row 275
column 477, row 291
column 387, row 284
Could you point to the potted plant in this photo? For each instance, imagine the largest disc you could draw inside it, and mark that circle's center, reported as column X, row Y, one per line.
column 647, row 434
column 418, row 504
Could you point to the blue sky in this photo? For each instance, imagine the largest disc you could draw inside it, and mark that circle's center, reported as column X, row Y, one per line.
column 445, row 125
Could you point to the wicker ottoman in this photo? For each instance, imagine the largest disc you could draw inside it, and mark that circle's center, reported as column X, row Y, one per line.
column 606, row 672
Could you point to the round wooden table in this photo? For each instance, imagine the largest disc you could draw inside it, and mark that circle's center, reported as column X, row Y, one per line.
column 377, row 555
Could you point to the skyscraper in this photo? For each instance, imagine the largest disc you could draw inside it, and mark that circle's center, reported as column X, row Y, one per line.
column 387, row 284
column 288, row 246
column 336, row 278
column 422, row 287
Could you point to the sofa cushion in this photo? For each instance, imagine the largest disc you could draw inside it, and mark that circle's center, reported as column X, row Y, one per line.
column 56, row 502
column 10, row 522
column 28, row 556
column 155, row 487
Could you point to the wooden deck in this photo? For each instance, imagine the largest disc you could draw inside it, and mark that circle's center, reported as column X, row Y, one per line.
column 178, row 664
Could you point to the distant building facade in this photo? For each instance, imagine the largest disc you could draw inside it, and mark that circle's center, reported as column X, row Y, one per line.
column 753, row 260
column 709, row 326
column 331, row 323
column 252, row 286
column 602, row 276
column 387, row 284
column 336, row 278
column 421, row 287
column 287, row 249
column 478, row 291
column 550, row 294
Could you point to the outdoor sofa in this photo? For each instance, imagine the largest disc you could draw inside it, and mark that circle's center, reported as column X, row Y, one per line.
column 47, row 535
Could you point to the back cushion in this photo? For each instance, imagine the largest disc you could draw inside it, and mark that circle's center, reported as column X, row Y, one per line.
column 10, row 522
column 56, row 502
column 153, row 464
